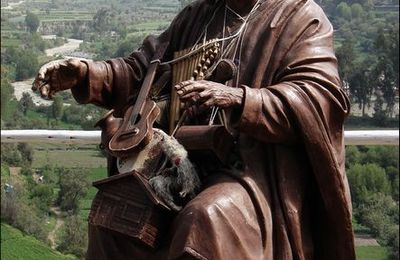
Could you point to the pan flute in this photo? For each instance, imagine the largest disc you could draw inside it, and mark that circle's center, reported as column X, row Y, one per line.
column 190, row 64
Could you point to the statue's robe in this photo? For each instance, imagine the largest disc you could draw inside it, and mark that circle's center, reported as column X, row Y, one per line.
column 292, row 201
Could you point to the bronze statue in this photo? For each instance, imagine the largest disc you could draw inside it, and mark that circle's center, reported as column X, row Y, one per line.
column 282, row 192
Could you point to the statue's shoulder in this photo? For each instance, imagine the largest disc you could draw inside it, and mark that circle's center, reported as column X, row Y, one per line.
column 198, row 5
column 307, row 10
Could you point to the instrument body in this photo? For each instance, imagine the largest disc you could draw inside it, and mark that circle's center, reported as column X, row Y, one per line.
column 136, row 131
column 133, row 136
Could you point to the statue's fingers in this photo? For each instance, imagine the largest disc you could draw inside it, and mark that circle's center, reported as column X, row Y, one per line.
column 193, row 87
column 189, row 96
column 45, row 90
column 183, row 84
column 207, row 104
column 36, row 84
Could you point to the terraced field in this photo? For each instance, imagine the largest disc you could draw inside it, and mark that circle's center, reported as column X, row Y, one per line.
column 64, row 15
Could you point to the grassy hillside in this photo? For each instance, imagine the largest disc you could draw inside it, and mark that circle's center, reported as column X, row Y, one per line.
column 15, row 245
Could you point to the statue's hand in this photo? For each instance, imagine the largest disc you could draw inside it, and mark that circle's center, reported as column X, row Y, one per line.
column 59, row 75
column 205, row 94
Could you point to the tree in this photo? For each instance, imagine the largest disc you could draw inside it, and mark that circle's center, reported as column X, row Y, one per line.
column 102, row 20
column 125, row 48
column 26, row 152
column 344, row 11
column 10, row 155
column 7, row 93
column 74, row 237
column 346, row 56
column 26, row 64
column 73, row 186
column 365, row 180
column 90, row 116
column 57, row 108
column 32, row 22
column 385, row 82
column 42, row 196
column 360, row 87
column 357, row 11
column 380, row 213
column 353, row 155
column 25, row 103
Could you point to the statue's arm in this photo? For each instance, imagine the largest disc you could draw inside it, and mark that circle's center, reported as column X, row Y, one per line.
column 113, row 82
column 307, row 77
column 110, row 83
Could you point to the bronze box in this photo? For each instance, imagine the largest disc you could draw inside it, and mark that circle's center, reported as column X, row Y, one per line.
column 125, row 203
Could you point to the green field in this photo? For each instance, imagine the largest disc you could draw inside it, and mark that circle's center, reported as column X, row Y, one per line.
column 67, row 156
column 94, row 175
column 15, row 245
column 371, row 253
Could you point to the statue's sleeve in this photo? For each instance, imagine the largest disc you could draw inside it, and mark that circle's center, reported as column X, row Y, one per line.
column 306, row 77
column 111, row 83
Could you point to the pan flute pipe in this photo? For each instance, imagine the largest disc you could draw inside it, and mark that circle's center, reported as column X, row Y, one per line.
column 190, row 64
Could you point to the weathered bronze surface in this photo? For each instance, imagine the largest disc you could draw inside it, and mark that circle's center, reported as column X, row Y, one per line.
column 289, row 198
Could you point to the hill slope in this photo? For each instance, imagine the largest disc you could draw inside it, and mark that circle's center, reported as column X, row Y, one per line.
column 15, row 245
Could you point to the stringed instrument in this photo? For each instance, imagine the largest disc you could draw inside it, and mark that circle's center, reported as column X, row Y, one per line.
column 136, row 129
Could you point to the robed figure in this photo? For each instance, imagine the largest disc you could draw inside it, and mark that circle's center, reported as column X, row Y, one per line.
column 288, row 198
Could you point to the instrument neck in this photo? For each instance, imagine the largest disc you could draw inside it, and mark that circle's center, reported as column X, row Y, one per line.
column 144, row 91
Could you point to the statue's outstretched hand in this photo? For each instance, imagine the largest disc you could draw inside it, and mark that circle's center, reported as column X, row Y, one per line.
column 59, row 75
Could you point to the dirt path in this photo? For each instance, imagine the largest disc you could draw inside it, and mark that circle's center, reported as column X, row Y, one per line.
column 52, row 235
column 69, row 46
column 365, row 240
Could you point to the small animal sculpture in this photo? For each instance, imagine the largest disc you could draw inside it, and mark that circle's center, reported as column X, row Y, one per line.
column 178, row 180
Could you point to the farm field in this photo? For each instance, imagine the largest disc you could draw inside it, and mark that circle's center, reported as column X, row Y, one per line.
column 85, row 203
column 67, row 156
column 17, row 246
column 371, row 253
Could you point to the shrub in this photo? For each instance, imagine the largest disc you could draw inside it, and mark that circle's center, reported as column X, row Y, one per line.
column 74, row 237
column 367, row 179
column 73, row 186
